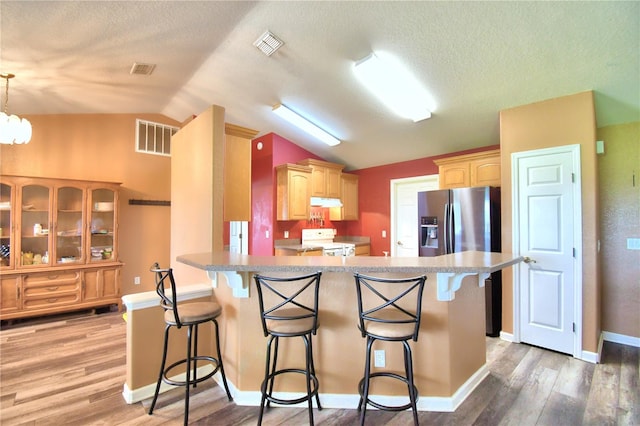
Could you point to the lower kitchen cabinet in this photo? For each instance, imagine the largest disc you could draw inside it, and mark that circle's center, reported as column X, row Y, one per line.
column 363, row 250
column 45, row 292
column 286, row 252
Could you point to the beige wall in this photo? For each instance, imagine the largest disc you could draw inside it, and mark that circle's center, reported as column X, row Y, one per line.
column 620, row 219
column 562, row 121
column 101, row 147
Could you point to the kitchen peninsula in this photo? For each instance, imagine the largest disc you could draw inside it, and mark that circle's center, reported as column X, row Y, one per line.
column 449, row 356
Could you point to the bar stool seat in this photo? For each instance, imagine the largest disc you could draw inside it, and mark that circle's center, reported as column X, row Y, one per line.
column 288, row 308
column 389, row 310
column 189, row 315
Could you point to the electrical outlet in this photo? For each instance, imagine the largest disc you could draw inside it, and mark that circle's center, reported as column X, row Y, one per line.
column 136, row 280
column 633, row 243
column 286, row 234
column 384, row 233
column 378, row 358
column 266, row 234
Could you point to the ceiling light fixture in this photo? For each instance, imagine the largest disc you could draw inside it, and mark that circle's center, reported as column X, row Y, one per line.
column 13, row 129
column 394, row 85
column 305, row 125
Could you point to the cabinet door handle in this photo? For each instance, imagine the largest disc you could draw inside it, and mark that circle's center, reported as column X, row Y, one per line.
column 53, row 277
column 52, row 288
column 52, row 300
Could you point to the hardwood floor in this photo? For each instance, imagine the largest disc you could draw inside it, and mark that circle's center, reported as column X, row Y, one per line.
column 70, row 371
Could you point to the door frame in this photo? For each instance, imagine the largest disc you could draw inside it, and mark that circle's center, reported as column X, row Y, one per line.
column 574, row 150
column 394, row 184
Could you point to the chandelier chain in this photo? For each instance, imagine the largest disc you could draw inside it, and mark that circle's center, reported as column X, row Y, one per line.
column 6, row 91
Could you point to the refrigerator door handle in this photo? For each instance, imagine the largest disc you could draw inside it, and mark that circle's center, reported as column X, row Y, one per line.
column 452, row 240
column 446, row 228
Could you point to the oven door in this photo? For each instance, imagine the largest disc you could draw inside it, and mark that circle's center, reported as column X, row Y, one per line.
column 343, row 250
column 337, row 251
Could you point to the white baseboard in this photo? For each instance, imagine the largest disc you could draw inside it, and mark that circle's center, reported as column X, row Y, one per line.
column 507, row 336
column 342, row 401
column 621, row 338
column 350, row 401
column 139, row 394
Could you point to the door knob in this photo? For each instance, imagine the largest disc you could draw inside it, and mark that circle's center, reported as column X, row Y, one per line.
column 399, row 243
column 527, row 259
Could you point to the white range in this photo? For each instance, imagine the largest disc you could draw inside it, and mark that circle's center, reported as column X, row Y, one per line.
column 323, row 237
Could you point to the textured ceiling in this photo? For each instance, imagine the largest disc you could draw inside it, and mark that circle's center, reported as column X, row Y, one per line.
column 476, row 58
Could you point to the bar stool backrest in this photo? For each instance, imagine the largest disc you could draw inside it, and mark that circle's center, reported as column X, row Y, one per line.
column 164, row 276
column 279, row 297
column 390, row 301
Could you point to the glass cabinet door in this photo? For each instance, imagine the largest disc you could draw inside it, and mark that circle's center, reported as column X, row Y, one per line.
column 69, row 239
column 6, row 226
column 35, row 216
column 102, row 225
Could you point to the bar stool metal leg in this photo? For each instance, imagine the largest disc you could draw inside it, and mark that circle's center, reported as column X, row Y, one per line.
column 162, row 365
column 222, row 373
column 408, row 367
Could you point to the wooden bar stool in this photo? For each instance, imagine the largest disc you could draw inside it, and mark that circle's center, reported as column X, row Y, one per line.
column 288, row 308
column 190, row 315
column 389, row 310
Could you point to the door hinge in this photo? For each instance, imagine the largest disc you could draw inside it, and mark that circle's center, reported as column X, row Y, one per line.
column 574, row 327
column 573, row 178
column 574, row 252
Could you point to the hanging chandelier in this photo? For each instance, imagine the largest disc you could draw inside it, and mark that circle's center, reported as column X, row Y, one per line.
column 13, row 129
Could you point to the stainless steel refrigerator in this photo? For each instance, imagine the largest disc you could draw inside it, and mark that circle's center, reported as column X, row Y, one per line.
column 463, row 219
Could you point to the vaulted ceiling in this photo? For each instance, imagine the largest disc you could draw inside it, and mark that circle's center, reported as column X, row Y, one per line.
column 475, row 58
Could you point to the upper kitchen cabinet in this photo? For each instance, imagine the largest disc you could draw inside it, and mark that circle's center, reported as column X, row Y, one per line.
column 326, row 178
column 478, row 169
column 294, row 184
column 349, row 209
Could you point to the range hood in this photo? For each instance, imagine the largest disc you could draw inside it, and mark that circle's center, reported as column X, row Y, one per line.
column 325, row 202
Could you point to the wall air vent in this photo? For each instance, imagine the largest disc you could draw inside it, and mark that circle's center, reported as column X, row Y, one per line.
column 268, row 43
column 142, row 69
column 154, row 138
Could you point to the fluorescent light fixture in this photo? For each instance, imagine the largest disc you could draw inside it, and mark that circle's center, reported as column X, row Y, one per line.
column 395, row 86
column 305, row 125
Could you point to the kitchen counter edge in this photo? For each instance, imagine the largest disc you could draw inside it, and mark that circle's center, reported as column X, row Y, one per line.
column 456, row 263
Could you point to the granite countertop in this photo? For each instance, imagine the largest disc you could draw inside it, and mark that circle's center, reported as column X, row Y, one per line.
column 457, row 263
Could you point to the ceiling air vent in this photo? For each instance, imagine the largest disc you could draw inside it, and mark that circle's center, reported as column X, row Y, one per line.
column 142, row 69
column 268, row 43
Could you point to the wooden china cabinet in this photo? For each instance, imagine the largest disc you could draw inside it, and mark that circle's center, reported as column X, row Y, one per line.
column 58, row 246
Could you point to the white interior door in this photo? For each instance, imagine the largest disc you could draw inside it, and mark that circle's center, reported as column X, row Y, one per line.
column 404, row 213
column 238, row 237
column 547, row 222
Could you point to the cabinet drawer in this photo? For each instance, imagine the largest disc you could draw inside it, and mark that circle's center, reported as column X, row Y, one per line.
column 50, row 300
column 51, row 286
